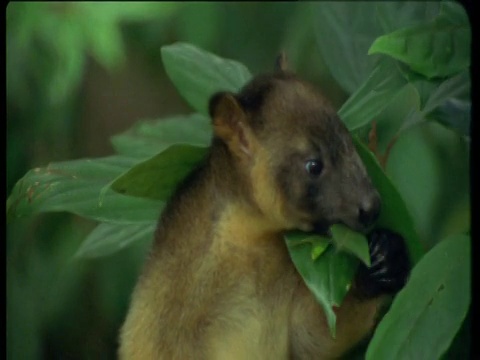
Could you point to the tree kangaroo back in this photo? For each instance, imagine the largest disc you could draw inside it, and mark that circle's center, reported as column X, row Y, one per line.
column 219, row 283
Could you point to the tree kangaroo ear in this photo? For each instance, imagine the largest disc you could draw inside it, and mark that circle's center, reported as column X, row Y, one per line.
column 230, row 125
column 281, row 63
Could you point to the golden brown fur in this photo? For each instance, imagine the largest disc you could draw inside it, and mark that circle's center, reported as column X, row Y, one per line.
column 219, row 283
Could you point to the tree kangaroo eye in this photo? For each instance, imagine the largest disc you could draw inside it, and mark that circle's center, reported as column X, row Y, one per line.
column 314, row 167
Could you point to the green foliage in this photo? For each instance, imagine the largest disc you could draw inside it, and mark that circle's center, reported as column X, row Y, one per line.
column 410, row 93
column 198, row 74
column 449, row 103
column 394, row 214
column 329, row 277
column 370, row 99
column 328, row 264
column 345, row 31
column 438, row 48
column 439, row 76
column 76, row 186
column 71, row 31
column 429, row 166
column 352, row 242
column 174, row 163
column 431, row 307
column 319, row 243
column 146, row 139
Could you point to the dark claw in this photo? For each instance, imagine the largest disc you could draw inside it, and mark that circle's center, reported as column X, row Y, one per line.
column 390, row 265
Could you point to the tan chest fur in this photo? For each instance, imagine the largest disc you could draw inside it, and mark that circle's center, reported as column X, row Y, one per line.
column 233, row 302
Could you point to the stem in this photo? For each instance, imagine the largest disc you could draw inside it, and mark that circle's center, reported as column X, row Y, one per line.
column 373, row 145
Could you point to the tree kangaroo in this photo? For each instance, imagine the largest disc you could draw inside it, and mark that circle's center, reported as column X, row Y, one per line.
column 219, row 282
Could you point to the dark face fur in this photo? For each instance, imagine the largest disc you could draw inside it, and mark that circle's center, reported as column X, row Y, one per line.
column 314, row 163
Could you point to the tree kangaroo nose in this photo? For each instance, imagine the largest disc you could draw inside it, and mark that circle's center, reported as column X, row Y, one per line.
column 369, row 209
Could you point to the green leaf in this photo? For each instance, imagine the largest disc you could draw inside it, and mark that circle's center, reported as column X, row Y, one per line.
column 319, row 243
column 455, row 12
column 413, row 171
column 394, row 15
column 344, row 32
column 75, row 186
column 456, row 114
column 431, row 307
column 328, row 271
column 439, row 48
column 455, row 87
column 107, row 239
column 394, row 214
column 429, row 167
column 158, row 177
column 447, row 102
column 382, row 86
column 149, row 138
column 346, row 239
column 461, row 346
column 198, row 74
column 318, row 248
column 105, row 41
column 328, row 277
column 398, row 116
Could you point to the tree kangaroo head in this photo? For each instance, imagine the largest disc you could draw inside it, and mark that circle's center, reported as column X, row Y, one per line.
column 296, row 154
